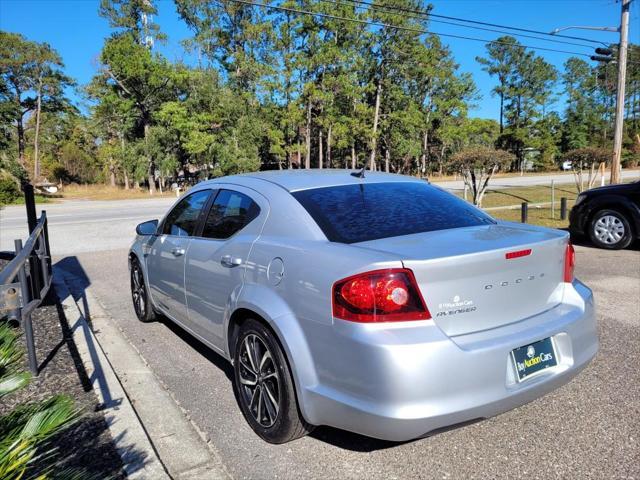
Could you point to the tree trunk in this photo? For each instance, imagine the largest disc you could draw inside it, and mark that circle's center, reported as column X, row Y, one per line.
column 112, row 173
column 387, row 158
column 329, row 147
column 36, row 160
column 423, row 157
column 126, row 175
column 353, row 156
column 307, row 160
column 501, row 112
column 152, row 170
column 376, row 116
column 21, row 143
column 320, row 149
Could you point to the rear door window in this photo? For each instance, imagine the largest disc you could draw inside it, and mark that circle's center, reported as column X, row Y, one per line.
column 362, row 212
column 230, row 212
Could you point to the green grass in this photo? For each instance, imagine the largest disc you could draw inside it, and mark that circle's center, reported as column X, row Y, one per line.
column 39, row 199
column 537, row 216
column 517, row 195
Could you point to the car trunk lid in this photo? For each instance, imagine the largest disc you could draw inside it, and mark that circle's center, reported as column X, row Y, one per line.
column 478, row 278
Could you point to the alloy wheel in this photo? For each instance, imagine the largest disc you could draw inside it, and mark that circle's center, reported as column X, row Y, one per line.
column 259, row 380
column 609, row 229
column 138, row 291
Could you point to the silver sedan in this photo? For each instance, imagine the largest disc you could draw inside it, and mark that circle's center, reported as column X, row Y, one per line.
column 378, row 304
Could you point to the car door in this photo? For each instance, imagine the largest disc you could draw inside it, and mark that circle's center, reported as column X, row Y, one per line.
column 165, row 260
column 216, row 259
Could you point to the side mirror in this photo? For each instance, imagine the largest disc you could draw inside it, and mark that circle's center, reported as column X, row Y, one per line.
column 147, row 228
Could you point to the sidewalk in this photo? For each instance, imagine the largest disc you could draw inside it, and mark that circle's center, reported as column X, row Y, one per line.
column 137, row 407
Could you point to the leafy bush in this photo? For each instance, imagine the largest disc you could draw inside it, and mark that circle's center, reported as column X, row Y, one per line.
column 9, row 191
column 584, row 163
column 587, row 156
column 478, row 165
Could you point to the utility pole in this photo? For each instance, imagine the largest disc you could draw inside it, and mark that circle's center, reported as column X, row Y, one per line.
column 622, row 76
column 603, row 55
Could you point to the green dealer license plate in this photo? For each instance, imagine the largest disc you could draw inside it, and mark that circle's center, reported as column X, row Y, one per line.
column 533, row 358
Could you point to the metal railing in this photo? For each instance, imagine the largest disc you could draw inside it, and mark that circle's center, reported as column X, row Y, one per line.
column 26, row 280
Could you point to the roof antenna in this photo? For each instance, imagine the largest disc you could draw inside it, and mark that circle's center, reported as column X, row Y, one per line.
column 359, row 174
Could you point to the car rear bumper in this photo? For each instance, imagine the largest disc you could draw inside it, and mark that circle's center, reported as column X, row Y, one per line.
column 403, row 382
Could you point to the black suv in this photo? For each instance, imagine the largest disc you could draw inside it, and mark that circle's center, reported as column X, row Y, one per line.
column 610, row 215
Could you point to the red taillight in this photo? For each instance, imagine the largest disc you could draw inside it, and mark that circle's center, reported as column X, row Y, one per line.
column 379, row 296
column 569, row 263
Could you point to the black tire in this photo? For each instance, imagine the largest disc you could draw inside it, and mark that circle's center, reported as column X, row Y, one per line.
column 610, row 229
column 264, row 385
column 139, row 295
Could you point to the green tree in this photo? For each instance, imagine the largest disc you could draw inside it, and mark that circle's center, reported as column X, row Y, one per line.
column 525, row 87
column 502, row 55
column 144, row 79
column 31, row 80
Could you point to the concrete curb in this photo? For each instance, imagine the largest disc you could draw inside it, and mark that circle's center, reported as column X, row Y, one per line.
column 154, row 437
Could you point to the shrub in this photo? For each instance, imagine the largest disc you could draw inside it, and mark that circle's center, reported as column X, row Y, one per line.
column 9, row 191
column 26, row 430
column 477, row 166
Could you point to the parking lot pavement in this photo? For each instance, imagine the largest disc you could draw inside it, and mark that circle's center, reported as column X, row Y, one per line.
column 589, row 428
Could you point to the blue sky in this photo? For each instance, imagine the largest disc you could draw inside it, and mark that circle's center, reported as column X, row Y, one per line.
column 75, row 30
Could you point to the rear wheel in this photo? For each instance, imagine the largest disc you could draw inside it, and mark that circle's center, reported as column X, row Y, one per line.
column 141, row 305
column 610, row 229
column 265, row 387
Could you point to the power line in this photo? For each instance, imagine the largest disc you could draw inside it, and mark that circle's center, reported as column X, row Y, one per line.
column 477, row 22
column 409, row 29
column 427, row 16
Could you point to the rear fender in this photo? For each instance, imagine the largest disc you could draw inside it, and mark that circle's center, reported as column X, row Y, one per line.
column 276, row 312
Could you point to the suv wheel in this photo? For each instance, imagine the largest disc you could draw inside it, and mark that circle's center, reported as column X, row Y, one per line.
column 610, row 229
column 139, row 295
column 265, row 386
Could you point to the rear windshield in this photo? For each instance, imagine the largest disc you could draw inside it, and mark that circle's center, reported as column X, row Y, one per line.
column 361, row 212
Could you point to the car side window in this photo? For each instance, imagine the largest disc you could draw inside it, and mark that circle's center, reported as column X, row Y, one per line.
column 230, row 212
column 182, row 221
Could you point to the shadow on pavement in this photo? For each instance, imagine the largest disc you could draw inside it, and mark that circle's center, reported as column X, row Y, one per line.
column 92, row 442
column 199, row 347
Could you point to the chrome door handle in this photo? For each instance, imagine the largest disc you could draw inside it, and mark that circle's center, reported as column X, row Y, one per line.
column 177, row 252
column 230, row 262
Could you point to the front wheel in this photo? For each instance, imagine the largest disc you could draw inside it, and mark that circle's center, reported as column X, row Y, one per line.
column 610, row 229
column 139, row 295
column 265, row 387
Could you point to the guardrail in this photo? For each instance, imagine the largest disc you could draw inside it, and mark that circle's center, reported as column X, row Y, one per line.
column 26, row 280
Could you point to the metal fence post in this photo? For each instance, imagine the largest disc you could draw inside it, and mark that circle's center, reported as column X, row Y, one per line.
column 524, row 213
column 26, row 318
column 563, row 208
column 32, row 220
column 553, row 199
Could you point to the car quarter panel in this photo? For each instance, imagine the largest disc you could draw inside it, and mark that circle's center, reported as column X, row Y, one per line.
column 297, row 304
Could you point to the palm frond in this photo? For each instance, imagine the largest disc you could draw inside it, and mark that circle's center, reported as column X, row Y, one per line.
column 9, row 383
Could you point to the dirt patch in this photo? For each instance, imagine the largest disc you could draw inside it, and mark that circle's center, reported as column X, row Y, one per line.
column 87, row 445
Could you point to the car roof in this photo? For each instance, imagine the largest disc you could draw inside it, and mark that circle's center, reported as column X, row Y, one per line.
column 303, row 179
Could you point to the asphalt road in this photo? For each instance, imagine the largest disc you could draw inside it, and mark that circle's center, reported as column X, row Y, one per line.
column 531, row 180
column 84, row 226
column 589, row 428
